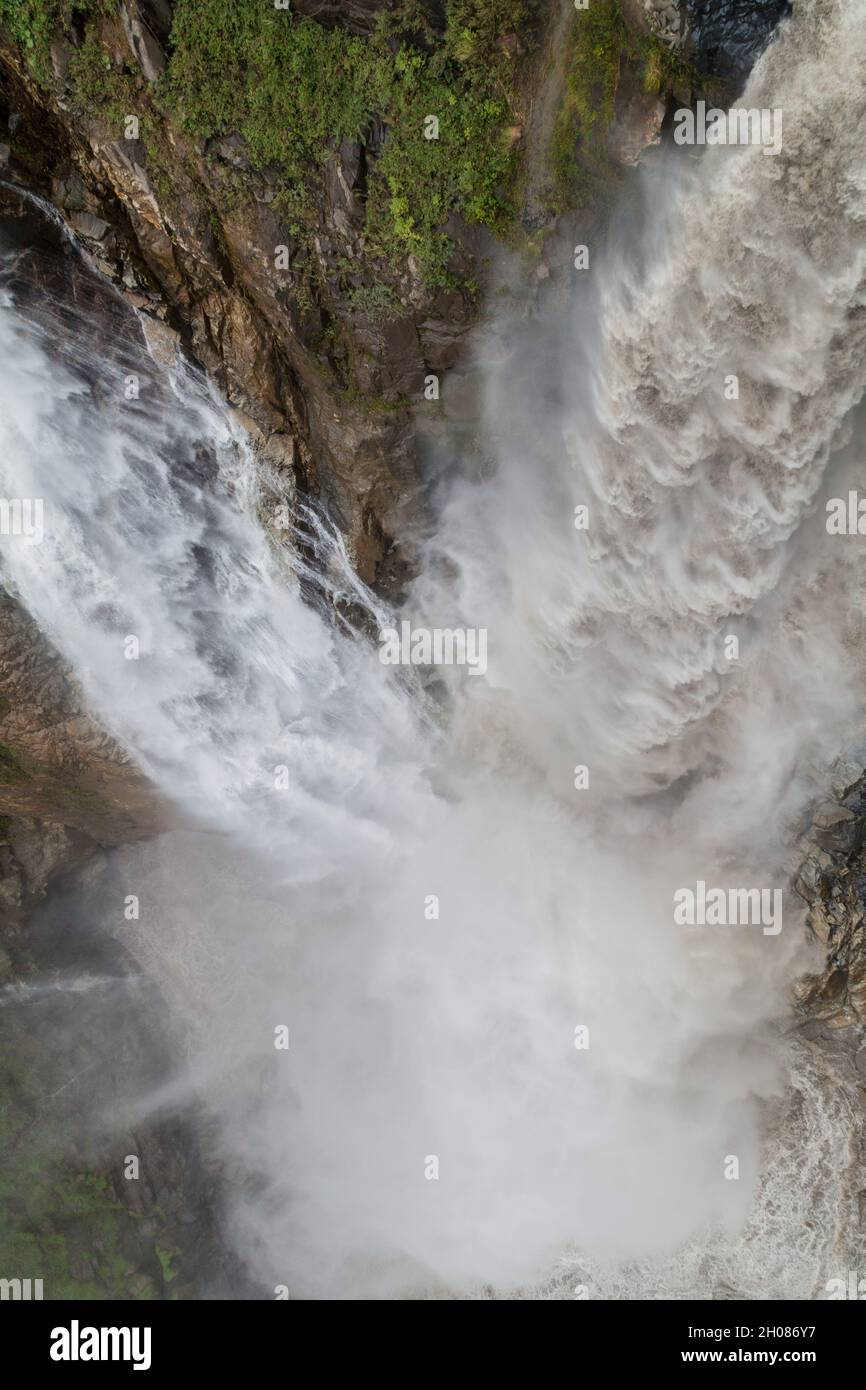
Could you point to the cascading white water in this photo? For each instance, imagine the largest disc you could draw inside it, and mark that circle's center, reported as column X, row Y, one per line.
column 298, row 897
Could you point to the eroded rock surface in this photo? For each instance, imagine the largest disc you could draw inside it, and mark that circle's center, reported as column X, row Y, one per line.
column 832, row 882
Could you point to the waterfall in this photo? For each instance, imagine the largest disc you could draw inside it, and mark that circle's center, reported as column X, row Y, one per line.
column 407, row 877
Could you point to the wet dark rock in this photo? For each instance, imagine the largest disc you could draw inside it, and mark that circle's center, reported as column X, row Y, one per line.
column 345, row 187
column 61, row 52
column 440, row 334
column 232, row 149
column 157, row 14
column 392, row 366
column 730, row 35
column 88, row 225
column 146, row 48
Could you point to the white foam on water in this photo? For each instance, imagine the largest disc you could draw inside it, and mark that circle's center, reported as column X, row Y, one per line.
column 298, row 898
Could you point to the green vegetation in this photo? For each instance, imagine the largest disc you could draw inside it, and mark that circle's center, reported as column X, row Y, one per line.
column 294, row 89
column 376, row 301
column 67, row 1217
column 60, row 1225
column 578, row 153
column 167, row 1257
column 32, row 24
column 603, row 44
column 97, row 84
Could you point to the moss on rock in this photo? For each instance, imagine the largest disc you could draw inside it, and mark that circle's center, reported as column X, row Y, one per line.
column 295, row 89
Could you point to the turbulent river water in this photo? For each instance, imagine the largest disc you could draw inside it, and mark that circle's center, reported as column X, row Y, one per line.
column 324, row 798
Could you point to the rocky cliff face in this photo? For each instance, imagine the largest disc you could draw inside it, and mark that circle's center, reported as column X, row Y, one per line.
column 325, row 266
column 57, row 766
column 832, row 882
column 268, row 275
column 309, row 198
